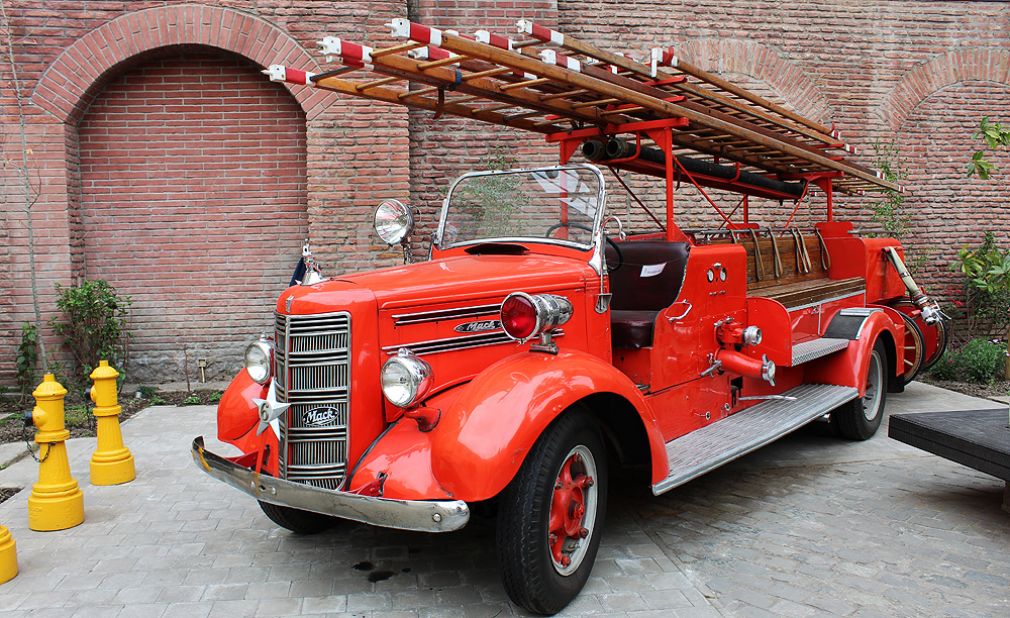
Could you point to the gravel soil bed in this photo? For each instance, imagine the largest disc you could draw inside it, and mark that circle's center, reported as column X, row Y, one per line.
column 1000, row 388
column 79, row 419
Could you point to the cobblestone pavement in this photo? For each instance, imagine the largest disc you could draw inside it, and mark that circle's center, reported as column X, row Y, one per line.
column 807, row 526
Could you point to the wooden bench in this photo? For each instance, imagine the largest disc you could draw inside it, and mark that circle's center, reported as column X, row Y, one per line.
column 979, row 439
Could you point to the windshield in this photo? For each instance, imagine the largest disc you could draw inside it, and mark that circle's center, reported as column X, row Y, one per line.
column 558, row 205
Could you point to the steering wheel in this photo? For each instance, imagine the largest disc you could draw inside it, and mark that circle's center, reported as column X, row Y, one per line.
column 579, row 226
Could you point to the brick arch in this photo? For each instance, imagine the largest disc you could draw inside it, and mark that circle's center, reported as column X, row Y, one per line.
column 763, row 63
column 961, row 65
column 68, row 85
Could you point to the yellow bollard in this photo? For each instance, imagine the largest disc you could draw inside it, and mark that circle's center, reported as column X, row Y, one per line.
column 8, row 556
column 112, row 463
column 56, row 502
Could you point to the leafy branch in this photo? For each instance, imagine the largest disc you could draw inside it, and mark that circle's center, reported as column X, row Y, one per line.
column 995, row 137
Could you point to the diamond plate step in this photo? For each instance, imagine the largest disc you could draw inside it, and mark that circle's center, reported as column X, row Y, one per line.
column 816, row 348
column 721, row 442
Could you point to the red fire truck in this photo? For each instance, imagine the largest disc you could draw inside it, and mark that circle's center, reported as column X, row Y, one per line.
column 541, row 346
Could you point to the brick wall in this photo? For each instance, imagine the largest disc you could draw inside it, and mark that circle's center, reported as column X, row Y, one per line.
column 922, row 72
column 193, row 203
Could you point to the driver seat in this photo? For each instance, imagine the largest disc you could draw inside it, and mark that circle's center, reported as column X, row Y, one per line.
column 648, row 280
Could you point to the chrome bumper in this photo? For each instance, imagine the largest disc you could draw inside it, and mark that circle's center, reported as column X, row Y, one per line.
column 420, row 515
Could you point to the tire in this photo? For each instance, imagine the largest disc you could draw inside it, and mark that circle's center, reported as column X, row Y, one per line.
column 570, row 454
column 860, row 418
column 296, row 520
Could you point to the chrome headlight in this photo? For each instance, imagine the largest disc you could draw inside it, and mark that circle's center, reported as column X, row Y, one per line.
column 405, row 379
column 393, row 222
column 259, row 360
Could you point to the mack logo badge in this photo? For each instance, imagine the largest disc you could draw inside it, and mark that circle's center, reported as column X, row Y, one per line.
column 320, row 417
column 478, row 327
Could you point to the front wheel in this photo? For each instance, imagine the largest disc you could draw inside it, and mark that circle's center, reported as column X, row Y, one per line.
column 297, row 520
column 860, row 418
column 550, row 518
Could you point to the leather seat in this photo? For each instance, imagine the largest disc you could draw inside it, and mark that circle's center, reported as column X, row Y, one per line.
column 648, row 281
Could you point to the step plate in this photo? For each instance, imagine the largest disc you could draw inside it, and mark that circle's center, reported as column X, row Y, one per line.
column 816, row 348
column 703, row 450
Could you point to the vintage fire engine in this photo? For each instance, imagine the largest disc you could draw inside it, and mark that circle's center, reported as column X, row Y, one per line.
column 541, row 347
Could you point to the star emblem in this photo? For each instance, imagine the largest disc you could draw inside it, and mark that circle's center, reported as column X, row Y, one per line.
column 270, row 410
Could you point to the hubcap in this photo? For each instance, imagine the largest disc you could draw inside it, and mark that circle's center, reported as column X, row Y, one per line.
column 874, row 379
column 572, row 511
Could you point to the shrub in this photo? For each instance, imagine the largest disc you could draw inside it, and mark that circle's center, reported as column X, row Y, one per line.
column 27, row 359
column 93, row 327
column 986, row 269
column 979, row 361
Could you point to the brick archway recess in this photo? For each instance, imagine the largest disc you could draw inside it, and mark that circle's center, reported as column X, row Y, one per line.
column 70, row 82
column 961, row 65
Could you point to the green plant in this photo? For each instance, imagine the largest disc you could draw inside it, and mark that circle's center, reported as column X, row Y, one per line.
column 27, row 359
column 986, row 270
column 93, row 326
column 979, row 361
column 191, row 400
column 215, row 397
column 147, row 392
column 994, row 136
column 890, row 211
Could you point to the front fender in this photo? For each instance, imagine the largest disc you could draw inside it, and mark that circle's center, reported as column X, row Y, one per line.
column 849, row 367
column 488, row 427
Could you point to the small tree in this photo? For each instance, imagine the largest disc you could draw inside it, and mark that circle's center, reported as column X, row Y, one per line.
column 93, row 327
column 890, row 212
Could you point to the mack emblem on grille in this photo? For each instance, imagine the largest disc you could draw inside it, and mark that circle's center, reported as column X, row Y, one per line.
column 319, row 417
column 478, row 327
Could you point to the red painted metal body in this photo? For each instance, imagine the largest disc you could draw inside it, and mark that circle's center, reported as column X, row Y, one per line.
column 490, row 403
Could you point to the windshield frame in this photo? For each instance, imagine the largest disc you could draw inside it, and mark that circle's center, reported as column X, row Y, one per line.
column 601, row 197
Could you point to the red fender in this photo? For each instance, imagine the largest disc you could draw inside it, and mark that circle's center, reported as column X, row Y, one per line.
column 488, row 425
column 849, row 368
column 236, row 414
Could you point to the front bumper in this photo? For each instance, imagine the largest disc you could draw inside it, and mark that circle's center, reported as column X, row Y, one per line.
column 420, row 515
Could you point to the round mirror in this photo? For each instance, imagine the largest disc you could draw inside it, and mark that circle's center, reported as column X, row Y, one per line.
column 393, row 221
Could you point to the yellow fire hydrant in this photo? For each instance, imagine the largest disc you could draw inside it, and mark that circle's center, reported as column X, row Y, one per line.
column 56, row 502
column 8, row 556
column 112, row 463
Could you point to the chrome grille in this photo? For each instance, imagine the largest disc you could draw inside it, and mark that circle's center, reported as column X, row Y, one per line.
column 313, row 368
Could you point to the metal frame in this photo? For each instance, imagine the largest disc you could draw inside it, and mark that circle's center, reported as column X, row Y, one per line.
column 601, row 196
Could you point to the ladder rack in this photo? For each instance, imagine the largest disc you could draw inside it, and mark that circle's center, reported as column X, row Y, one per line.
column 571, row 91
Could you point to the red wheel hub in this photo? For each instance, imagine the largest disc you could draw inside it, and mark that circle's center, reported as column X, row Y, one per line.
column 568, row 509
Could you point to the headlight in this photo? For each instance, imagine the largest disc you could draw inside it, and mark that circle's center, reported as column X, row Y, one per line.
column 393, row 222
column 258, row 360
column 405, row 379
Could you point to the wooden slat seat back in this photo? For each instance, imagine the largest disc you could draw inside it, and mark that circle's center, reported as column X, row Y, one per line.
column 761, row 271
column 795, row 282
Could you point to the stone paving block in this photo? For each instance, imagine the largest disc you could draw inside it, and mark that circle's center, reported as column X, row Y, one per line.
column 325, row 605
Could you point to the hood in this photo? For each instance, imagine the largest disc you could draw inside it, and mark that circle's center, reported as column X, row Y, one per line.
column 467, row 277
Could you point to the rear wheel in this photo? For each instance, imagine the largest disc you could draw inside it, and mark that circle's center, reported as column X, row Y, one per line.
column 551, row 516
column 297, row 520
column 914, row 351
column 860, row 418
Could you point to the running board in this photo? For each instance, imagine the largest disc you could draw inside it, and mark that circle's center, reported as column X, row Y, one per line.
column 816, row 348
column 706, row 449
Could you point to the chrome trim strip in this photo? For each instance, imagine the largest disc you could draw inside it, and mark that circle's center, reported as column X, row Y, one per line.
column 452, row 344
column 419, row 317
column 827, row 300
column 419, row 515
